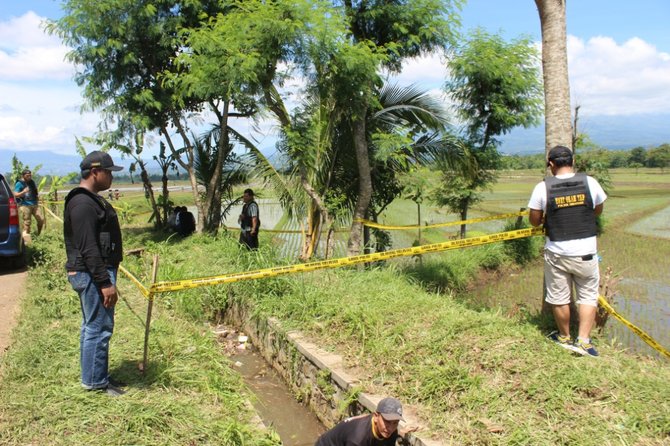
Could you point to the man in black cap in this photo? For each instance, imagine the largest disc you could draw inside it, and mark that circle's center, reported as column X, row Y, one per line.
column 94, row 251
column 377, row 429
column 568, row 204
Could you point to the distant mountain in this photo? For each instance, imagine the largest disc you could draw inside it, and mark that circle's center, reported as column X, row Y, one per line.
column 55, row 163
column 611, row 132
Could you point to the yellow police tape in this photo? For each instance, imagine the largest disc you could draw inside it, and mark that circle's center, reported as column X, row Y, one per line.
column 135, row 280
column 162, row 287
column 373, row 224
column 54, row 215
column 638, row 331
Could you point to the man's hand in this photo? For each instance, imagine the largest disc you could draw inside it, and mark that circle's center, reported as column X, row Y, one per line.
column 109, row 296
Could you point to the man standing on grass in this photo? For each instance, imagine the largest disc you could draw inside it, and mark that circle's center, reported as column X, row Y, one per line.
column 377, row 429
column 249, row 221
column 568, row 204
column 94, row 251
column 25, row 191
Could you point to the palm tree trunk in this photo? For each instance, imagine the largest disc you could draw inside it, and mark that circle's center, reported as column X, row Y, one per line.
column 558, row 125
column 364, row 184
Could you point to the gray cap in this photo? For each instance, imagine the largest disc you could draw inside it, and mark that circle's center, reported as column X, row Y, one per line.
column 98, row 160
column 390, row 409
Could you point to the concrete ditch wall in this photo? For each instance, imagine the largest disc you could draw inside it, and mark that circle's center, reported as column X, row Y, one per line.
column 316, row 377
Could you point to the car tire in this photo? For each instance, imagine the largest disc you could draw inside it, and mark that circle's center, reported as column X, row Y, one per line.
column 19, row 261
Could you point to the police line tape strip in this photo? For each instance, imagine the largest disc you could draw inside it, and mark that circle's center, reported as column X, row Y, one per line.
column 162, row 287
column 135, row 280
column 373, row 224
column 54, row 215
column 281, row 231
column 638, row 331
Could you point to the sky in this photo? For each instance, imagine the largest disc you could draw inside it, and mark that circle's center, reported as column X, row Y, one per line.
column 618, row 59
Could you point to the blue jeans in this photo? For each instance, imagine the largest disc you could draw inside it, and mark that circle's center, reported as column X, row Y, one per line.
column 97, row 325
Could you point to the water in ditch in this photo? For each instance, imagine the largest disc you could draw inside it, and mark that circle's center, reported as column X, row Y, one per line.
column 274, row 403
column 646, row 304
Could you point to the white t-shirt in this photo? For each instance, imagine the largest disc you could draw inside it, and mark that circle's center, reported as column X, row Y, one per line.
column 577, row 247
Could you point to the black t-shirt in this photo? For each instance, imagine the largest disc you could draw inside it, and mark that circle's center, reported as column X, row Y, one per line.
column 355, row 431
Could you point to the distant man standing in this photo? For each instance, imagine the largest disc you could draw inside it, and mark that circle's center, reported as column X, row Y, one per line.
column 377, row 429
column 25, row 191
column 249, row 221
column 94, row 251
column 568, row 204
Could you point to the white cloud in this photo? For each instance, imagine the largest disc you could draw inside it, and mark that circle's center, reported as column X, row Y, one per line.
column 27, row 52
column 611, row 79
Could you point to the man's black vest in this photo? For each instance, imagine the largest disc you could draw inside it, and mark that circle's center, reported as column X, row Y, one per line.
column 247, row 219
column 109, row 232
column 570, row 214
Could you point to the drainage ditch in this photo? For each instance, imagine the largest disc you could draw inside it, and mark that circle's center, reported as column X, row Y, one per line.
column 302, row 370
column 277, row 407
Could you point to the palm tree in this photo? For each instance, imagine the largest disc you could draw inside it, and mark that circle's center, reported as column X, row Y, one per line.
column 558, row 126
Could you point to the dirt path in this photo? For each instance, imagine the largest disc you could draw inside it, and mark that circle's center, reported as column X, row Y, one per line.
column 12, row 286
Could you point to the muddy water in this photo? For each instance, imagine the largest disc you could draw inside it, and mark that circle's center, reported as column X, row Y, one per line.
column 295, row 424
column 647, row 305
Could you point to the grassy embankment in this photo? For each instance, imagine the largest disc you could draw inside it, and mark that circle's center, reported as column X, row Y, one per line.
column 475, row 376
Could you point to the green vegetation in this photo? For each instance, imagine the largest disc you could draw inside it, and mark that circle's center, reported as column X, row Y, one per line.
column 423, row 333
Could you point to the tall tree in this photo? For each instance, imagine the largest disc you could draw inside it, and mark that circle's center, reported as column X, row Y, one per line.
column 496, row 87
column 557, row 119
column 386, row 32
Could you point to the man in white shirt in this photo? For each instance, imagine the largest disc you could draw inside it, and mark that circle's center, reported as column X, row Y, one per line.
column 568, row 204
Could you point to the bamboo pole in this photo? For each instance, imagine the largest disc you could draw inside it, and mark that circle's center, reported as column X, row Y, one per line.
column 150, row 305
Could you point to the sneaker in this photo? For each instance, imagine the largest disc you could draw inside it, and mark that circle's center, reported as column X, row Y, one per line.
column 585, row 348
column 110, row 390
column 563, row 341
column 116, row 383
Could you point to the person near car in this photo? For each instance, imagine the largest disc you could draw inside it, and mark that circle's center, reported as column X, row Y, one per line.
column 94, row 250
column 249, row 221
column 27, row 197
column 377, row 429
column 568, row 203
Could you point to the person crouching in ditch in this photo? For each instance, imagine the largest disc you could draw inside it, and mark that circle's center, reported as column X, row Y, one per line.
column 377, row 429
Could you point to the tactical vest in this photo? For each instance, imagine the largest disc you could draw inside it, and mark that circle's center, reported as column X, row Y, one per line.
column 109, row 231
column 246, row 218
column 570, row 214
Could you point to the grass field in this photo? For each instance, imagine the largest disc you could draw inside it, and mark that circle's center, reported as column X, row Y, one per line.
column 475, row 375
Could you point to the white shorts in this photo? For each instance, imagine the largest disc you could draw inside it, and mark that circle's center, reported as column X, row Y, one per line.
column 561, row 272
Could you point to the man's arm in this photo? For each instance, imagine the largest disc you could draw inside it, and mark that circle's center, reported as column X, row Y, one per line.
column 254, row 225
column 598, row 209
column 536, row 216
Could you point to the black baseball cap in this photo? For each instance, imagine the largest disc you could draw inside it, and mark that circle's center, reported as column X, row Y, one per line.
column 98, row 160
column 390, row 409
column 559, row 152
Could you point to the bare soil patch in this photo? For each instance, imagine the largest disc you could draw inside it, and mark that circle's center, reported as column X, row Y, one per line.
column 12, row 286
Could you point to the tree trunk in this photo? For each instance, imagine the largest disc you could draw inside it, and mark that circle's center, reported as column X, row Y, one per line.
column 364, row 184
column 464, row 216
column 557, row 119
column 188, row 167
column 147, row 186
column 166, row 191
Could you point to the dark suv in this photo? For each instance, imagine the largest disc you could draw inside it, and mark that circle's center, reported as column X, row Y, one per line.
column 11, row 243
